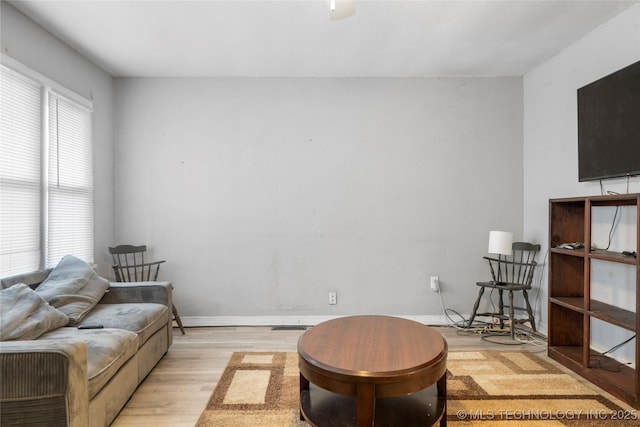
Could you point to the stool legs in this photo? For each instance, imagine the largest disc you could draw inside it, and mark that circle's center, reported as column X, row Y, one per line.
column 176, row 317
column 529, row 310
column 475, row 307
column 510, row 316
column 501, row 307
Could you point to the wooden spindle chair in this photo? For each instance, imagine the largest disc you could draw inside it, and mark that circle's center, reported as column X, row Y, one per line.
column 129, row 266
column 512, row 274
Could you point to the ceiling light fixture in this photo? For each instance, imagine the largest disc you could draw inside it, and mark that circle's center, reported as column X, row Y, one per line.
column 339, row 9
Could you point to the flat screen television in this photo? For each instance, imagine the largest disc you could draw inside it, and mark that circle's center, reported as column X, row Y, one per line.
column 609, row 126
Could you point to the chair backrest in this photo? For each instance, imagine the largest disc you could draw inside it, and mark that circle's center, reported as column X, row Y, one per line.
column 518, row 268
column 129, row 264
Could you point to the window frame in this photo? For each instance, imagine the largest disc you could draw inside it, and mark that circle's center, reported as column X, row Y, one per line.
column 49, row 88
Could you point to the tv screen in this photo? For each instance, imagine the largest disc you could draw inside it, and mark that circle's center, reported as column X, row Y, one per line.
column 609, row 126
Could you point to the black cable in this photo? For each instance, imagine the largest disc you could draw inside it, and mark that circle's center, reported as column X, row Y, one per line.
column 613, row 226
column 611, row 350
column 460, row 324
column 485, row 337
column 618, row 346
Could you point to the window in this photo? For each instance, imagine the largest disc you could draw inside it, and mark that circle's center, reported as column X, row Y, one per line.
column 20, row 178
column 70, row 195
column 46, row 173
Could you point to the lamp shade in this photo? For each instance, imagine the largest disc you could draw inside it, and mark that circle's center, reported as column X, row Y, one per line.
column 500, row 242
column 339, row 9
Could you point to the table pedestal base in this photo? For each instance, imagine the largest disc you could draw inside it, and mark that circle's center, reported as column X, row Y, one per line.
column 321, row 408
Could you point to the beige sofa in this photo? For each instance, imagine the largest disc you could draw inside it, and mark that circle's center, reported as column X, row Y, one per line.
column 70, row 375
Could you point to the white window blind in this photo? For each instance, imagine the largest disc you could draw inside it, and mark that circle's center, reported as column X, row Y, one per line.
column 46, row 174
column 70, row 183
column 20, row 178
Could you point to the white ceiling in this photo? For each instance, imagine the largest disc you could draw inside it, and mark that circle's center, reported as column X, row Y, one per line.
column 393, row 38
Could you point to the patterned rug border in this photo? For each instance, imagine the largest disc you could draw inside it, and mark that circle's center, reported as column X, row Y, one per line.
column 501, row 356
column 274, row 390
column 280, row 407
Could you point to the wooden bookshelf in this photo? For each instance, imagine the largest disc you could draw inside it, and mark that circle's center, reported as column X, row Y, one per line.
column 571, row 307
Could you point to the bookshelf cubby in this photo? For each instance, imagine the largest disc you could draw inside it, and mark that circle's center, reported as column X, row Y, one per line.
column 571, row 308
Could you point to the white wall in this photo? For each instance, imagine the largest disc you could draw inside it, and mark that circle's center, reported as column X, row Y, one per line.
column 265, row 194
column 29, row 44
column 550, row 128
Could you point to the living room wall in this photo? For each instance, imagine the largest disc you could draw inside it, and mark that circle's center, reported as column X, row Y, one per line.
column 29, row 44
column 293, row 187
column 264, row 194
column 551, row 141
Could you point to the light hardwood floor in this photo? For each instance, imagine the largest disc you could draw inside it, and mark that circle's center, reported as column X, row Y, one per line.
column 177, row 390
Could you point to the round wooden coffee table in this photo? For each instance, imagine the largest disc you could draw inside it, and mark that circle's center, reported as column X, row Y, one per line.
column 366, row 370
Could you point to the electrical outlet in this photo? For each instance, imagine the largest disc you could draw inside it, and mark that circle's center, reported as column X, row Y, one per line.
column 333, row 298
column 435, row 284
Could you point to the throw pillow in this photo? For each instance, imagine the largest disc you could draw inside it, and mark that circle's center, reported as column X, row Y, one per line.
column 26, row 315
column 73, row 288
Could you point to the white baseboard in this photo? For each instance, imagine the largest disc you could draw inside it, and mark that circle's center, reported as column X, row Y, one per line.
column 201, row 321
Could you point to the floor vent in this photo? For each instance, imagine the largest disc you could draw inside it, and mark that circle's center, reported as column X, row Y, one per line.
column 288, row 328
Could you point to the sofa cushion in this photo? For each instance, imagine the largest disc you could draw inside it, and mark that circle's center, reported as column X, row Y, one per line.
column 73, row 288
column 144, row 319
column 107, row 351
column 33, row 279
column 26, row 315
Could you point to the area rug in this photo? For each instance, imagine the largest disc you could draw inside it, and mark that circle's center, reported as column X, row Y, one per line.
column 484, row 388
